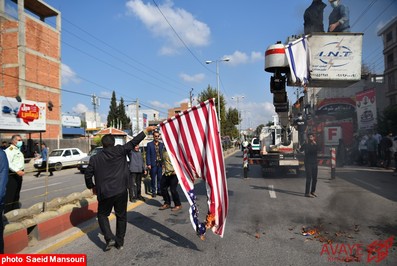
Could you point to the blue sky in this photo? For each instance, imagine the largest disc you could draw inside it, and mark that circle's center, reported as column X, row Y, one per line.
column 130, row 47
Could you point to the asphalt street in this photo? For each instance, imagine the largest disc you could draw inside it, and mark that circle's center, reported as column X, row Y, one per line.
column 266, row 224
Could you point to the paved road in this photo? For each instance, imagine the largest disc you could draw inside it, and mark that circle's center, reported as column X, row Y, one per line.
column 264, row 225
column 45, row 188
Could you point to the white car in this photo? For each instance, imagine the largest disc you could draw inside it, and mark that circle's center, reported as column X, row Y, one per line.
column 60, row 158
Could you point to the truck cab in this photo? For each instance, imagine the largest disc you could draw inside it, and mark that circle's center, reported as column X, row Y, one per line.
column 255, row 147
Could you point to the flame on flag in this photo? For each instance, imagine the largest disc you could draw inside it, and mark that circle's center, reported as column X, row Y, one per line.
column 193, row 142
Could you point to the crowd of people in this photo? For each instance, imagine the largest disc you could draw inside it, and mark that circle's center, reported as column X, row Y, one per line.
column 374, row 150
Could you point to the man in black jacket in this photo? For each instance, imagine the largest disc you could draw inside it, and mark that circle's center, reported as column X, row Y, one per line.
column 311, row 149
column 110, row 171
column 313, row 17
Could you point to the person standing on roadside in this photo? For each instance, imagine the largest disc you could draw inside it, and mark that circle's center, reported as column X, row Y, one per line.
column 169, row 180
column 310, row 148
column 110, row 171
column 44, row 161
column 16, row 163
column 387, row 149
column 154, row 162
column 3, row 183
column 137, row 169
column 372, row 147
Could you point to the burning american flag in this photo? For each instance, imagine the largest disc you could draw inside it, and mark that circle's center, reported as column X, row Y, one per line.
column 194, row 145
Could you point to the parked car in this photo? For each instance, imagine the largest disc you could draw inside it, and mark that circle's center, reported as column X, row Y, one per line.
column 60, row 158
column 83, row 163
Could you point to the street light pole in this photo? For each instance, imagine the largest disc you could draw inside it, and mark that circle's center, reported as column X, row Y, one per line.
column 217, row 81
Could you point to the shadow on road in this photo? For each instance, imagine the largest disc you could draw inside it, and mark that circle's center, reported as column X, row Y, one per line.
column 374, row 179
column 158, row 229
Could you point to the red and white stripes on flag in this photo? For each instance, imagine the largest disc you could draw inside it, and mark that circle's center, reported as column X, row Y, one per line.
column 194, row 145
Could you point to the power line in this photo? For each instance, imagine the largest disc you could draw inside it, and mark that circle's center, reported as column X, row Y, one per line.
column 380, row 14
column 104, row 62
column 86, row 94
column 364, row 12
column 179, row 37
column 115, row 67
column 122, row 53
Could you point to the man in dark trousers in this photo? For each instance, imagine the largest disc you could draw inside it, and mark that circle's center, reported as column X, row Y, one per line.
column 169, row 180
column 44, row 161
column 154, row 162
column 16, row 164
column 110, row 171
column 137, row 170
column 310, row 148
column 313, row 17
column 300, row 125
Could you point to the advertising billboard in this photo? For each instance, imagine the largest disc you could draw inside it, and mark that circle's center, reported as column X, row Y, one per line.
column 336, row 57
column 366, row 109
column 22, row 116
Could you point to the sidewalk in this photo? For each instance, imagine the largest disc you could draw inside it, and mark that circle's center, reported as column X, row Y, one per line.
column 64, row 228
column 50, row 244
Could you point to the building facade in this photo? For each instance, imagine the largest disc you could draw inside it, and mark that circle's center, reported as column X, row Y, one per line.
column 389, row 36
column 30, row 59
column 176, row 110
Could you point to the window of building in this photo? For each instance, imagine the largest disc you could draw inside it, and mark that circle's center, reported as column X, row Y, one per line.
column 389, row 36
column 391, row 82
column 390, row 60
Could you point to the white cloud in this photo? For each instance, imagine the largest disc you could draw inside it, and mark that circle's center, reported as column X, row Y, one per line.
column 192, row 78
column 160, row 105
column 238, row 58
column 257, row 56
column 68, row 75
column 106, row 94
column 253, row 113
column 80, row 108
column 192, row 31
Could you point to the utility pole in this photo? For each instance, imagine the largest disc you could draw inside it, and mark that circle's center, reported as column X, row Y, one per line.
column 137, row 115
column 95, row 103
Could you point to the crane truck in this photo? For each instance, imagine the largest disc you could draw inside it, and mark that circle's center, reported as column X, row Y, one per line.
column 315, row 60
column 278, row 154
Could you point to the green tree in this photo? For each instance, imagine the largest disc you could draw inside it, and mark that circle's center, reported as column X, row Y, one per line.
column 387, row 121
column 231, row 121
column 112, row 120
column 213, row 93
column 123, row 119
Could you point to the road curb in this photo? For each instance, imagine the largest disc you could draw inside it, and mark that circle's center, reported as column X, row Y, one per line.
column 18, row 234
column 27, row 227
